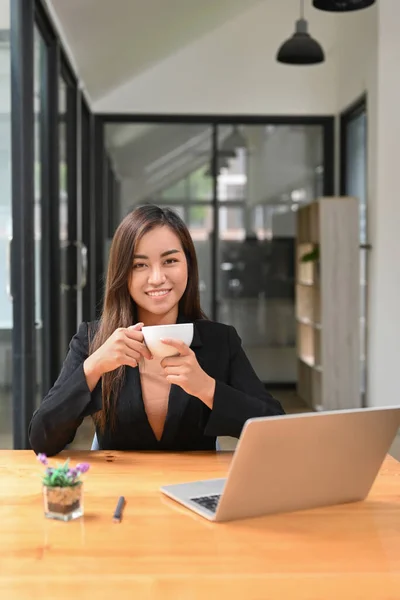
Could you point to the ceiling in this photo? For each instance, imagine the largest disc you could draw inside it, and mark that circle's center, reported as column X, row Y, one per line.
column 112, row 41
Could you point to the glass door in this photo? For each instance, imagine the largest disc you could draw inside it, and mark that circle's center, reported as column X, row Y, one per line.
column 40, row 68
column 354, row 183
column 6, row 312
column 85, row 310
column 70, row 248
column 264, row 173
column 238, row 187
column 55, row 160
column 65, row 285
column 169, row 165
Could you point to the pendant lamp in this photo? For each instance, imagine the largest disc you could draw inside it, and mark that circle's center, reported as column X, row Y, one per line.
column 342, row 5
column 301, row 48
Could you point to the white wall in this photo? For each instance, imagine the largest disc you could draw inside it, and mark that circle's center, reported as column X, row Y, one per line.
column 368, row 47
column 356, row 51
column 356, row 64
column 384, row 319
column 358, row 47
column 5, row 14
column 233, row 70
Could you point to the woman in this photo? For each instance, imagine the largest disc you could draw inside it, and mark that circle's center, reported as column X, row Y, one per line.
column 137, row 402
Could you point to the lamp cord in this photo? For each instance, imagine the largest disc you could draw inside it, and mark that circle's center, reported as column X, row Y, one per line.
column 302, row 9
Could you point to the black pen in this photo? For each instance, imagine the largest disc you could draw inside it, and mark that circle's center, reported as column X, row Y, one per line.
column 118, row 511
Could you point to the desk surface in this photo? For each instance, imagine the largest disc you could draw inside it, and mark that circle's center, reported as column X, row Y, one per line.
column 162, row 550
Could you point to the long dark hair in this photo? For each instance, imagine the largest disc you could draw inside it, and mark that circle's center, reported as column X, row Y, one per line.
column 119, row 309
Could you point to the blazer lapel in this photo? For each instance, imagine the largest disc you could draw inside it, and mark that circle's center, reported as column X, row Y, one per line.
column 178, row 398
column 134, row 399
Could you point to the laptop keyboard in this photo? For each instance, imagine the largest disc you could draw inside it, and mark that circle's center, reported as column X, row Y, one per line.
column 209, row 502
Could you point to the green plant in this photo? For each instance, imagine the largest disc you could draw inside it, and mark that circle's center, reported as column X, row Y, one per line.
column 312, row 256
column 62, row 475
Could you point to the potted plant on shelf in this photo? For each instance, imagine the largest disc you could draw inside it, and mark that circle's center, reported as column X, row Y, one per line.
column 63, row 489
column 313, row 256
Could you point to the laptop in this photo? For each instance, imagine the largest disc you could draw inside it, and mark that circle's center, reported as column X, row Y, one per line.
column 296, row 462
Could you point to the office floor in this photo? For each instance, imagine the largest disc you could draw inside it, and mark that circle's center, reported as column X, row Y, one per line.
column 83, row 439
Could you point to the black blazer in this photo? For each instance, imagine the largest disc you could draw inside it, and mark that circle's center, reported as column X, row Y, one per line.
column 190, row 424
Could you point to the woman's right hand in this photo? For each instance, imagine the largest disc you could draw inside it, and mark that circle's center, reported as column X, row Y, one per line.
column 124, row 347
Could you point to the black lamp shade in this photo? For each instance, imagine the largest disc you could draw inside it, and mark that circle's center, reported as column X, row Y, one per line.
column 301, row 48
column 342, row 5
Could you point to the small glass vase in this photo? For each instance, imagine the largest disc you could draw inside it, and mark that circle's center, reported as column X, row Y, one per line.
column 63, row 503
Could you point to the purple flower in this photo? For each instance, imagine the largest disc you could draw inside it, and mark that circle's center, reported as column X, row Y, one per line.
column 72, row 473
column 42, row 458
column 83, row 467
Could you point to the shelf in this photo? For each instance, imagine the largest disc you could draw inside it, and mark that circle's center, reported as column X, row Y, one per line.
column 305, row 246
column 305, row 283
column 317, row 326
column 308, row 223
column 308, row 305
column 311, row 284
column 307, row 273
column 309, row 361
column 327, row 338
column 305, row 341
column 309, row 383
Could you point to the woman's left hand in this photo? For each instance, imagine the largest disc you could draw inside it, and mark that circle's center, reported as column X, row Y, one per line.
column 185, row 371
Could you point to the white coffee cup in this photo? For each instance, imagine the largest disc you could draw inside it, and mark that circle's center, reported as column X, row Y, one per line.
column 153, row 334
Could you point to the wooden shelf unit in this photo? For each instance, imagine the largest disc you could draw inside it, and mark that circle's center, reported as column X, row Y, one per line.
column 327, row 304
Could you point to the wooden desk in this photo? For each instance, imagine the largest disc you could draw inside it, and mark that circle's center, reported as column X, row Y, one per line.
column 161, row 550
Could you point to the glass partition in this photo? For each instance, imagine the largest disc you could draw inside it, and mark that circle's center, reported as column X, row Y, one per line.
column 6, row 314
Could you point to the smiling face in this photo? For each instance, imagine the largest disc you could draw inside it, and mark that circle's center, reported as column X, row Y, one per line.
column 159, row 276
